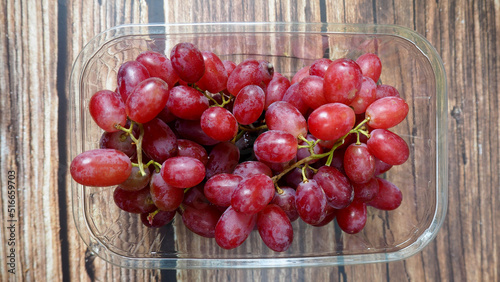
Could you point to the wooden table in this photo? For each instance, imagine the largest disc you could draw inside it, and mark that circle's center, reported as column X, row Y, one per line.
column 40, row 40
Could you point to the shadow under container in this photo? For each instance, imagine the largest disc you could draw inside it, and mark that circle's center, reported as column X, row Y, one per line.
column 410, row 64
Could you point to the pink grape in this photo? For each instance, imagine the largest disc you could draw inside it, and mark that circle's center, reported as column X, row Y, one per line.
column 389, row 197
column 359, row 163
column 219, row 124
column 311, row 202
column 342, row 81
column 275, row 228
column 370, row 65
column 215, row 77
column 186, row 102
column 366, row 96
column 229, row 66
column 331, row 121
column 183, row 172
column 276, row 90
column 159, row 141
column 388, row 147
column 107, row 110
column 285, row 117
column 293, row 96
column 248, row 72
column 101, row 167
column 134, row 201
column 300, row 74
column 188, row 148
column 165, row 196
column 130, row 74
column 311, row 91
column 233, row 228
column 337, row 187
column 158, row 65
column 147, row 100
column 275, row 146
column 386, row 112
column 352, row 219
column 253, row 194
column 249, row 168
column 187, row 62
column 222, row 159
column 249, row 104
column 319, row 67
column 220, row 187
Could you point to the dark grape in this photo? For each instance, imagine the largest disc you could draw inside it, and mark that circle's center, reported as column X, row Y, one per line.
column 159, row 141
column 134, row 201
column 201, row 221
column 165, row 196
column 157, row 219
column 222, row 159
column 286, row 201
column 188, row 148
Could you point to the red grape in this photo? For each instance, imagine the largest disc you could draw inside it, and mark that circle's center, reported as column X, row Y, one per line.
column 283, row 116
column 389, row 197
column 118, row 140
column 191, row 129
column 201, row 221
column 386, row 112
column 380, row 166
column 388, row 147
column 330, row 214
column 129, row 76
column 366, row 96
column 384, row 90
column 275, row 146
column 233, row 228
column 222, row 159
column 253, row 194
column 319, row 67
column 352, row 219
column 147, row 100
column 186, row 102
column 107, row 110
column 342, row 81
column 276, row 90
column 300, row 74
column 338, row 190
column 165, row 196
column 134, row 201
column 311, row 202
column 158, row 65
column 249, row 168
column 215, row 78
column 311, row 91
column 303, row 153
column 248, row 72
column 182, row 172
column 157, row 218
column 249, row 104
column 136, row 181
column 365, row 192
column 188, row 148
column 370, row 65
column 101, row 167
column 275, row 228
column 187, row 62
column 331, row 121
column 286, row 201
column 359, row 163
column 220, row 187
column 159, row 141
column 219, row 124
column 293, row 96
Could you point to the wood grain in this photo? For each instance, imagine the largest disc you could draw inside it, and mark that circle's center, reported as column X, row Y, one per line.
column 40, row 40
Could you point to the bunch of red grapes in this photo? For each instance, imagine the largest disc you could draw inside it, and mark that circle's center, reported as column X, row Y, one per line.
column 233, row 148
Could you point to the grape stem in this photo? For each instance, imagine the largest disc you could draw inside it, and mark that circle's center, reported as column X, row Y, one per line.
column 310, row 144
column 225, row 100
column 137, row 141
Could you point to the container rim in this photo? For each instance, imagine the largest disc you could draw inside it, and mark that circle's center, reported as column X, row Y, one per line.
column 269, row 27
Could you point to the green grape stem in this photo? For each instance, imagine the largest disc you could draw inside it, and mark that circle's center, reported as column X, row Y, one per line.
column 137, row 141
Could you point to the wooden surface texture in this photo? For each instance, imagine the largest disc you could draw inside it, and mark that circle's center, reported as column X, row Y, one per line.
column 39, row 40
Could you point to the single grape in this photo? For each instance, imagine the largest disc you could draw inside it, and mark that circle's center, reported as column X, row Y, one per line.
column 157, row 218
column 365, row 192
column 275, row 228
column 389, row 197
column 380, row 166
column 233, row 228
column 187, row 62
column 352, row 219
column 370, row 65
column 359, row 163
column 186, row 102
column 293, row 96
column 311, row 91
column 286, row 201
column 222, row 159
column 342, row 81
column 285, row 117
column 215, row 77
column 330, row 214
column 219, row 124
column 388, row 147
column 159, row 141
column 337, row 187
column 366, row 96
column 249, row 104
column 275, row 146
column 201, row 221
column 165, row 196
column 165, row 115
column 384, row 90
column 319, row 67
column 253, row 194
column 276, row 90
column 130, row 74
column 311, row 202
column 147, row 100
column 134, row 201
column 386, row 112
column 229, row 66
column 136, row 181
column 118, row 140
column 101, row 167
column 249, row 168
column 220, row 187
column 331, row 121
column 188, row 148
column 158, row 65
column 195, row 197
column 183, row 172
column 299, row 75
column 248, row 72
column 107, row 110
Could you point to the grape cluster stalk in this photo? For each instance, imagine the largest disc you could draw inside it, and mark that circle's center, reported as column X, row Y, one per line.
column 236, row 147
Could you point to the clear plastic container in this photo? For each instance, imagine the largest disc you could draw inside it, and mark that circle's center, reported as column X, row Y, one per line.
column 410, row 64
